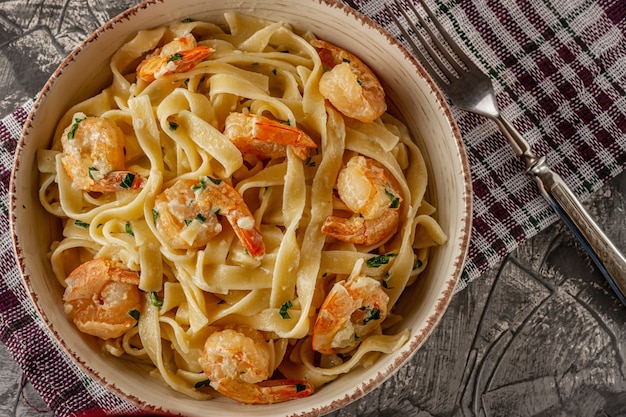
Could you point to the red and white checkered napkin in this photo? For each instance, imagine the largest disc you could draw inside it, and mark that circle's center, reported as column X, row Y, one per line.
column 558, row 68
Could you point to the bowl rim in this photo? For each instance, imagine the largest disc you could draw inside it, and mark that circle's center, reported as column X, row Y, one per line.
column 414, row 342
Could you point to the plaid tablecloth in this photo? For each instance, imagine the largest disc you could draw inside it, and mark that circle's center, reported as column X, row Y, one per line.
column 559, row 67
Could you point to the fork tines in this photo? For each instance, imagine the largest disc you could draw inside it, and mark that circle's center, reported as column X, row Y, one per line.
column 447, row 66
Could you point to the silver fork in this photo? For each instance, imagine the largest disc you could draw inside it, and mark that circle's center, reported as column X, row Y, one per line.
column 470, row 89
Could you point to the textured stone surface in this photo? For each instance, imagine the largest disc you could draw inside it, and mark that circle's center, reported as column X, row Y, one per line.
column 541, row 335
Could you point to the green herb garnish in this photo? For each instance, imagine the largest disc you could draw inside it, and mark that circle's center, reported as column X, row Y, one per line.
column 395, row 201
column 129, row 229
column 283, row 310
column 81, row 224
column 418, row 264
column 127, row 181
column 379, row 260
column 155, row 300
column 72, row 131
column 199, row 187
column 155, row 216
column 300, row 387
column 134, row 314
column 203, row 383
column 176, row 57
column 372, row 314
column 91, row 170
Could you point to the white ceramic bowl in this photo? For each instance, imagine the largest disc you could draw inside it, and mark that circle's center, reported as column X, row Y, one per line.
column 420, row 105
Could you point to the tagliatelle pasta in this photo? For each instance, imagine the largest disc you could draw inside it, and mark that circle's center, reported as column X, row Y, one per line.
column 230, row 218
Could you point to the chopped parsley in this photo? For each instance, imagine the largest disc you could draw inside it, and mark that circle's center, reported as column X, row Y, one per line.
column 274, row 71
column 173, row 125
column 309, row 162
column 155, row 300
column 72, row 131
column 395, row 200
column 175, row 57
column 128, row 181
column 379, row 260
column 418, row 264
column 187, row 20
column 91, row 170
column 129, row 229
column 385, row 282
column 203, row 383
column 134, row 314
column 203, row 183
column 283, row 310
column 199, row 217
column 200, row 186
column 155, row 216
column 300, row 387
column 81, row 224
column 372, row 314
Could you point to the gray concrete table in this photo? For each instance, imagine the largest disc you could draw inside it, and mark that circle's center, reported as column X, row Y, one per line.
column 539, row 335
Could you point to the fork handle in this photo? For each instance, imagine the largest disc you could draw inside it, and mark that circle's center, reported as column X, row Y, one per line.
column 607, row 257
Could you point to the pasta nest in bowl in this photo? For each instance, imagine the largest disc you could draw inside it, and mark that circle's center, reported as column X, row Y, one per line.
column 241, row 209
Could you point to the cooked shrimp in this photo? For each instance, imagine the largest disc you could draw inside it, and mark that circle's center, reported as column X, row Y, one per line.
column 351, row 310
column 187, row 214
column 179, row 55
column 237, row 361
column 371, row 193
column 266, row 138
column 93, row 156
column 102, row 298
column 350, row 85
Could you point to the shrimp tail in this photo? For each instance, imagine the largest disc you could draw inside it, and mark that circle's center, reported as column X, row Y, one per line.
column 351, row 229
column 266, row 392
column 250, row 237
column 265, row 137
column 270, row 131
column 158, row 66
column 359, row 230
